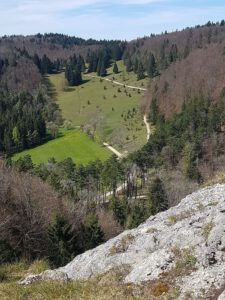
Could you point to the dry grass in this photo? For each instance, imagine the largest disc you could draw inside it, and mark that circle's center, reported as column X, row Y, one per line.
column 122, row 245
column 219, row 178
column 206, row 230
column 172, row 219
column 185, row 263
column 107, row 286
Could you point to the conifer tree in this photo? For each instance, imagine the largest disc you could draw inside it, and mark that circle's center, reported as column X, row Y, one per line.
column 157, row 197
column 103, row 71
column 93, row 235
column 140, row 72
column 129, row 66
column 115, row 68
column 136, row 64
column 62, row 246
column 151, row 68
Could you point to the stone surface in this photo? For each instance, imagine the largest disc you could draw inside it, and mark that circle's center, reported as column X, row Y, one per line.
column 193, row 231
column 222, row 296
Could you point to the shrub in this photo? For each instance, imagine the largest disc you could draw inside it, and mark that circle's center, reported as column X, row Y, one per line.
column 160, row 288
column 206, row 230
column 122, row 245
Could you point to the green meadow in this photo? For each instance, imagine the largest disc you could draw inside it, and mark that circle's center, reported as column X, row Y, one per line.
column 111, row 112
column 114, row 111
column 71, row 143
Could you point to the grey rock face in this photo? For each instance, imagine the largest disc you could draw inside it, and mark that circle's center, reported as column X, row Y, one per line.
column 222, row 296
column 190, row 236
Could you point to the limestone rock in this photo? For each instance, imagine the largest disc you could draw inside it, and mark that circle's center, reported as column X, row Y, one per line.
column 185, row 244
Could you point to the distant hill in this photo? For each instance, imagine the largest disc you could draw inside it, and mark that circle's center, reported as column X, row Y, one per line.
column 188, row 63
column 18, row 67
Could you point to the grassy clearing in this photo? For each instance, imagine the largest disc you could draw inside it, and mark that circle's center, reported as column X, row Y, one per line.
column 127, row 78
column 105, row 287
column 72, row 143
column 113, row 109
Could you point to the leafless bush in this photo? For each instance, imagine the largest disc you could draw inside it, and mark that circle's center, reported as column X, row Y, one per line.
column 27, row 207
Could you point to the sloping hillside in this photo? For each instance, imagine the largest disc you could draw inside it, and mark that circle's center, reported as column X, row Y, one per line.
column 182, row 65
column 200, row 75
column 180, row 251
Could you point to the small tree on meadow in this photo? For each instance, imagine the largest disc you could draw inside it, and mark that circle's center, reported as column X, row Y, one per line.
column 115, row 68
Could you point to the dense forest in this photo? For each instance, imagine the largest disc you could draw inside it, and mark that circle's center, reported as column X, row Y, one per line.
column 58, row 209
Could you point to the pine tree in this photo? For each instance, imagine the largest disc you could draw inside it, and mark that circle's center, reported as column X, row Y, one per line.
column 129, row 66
column 137, row 216
column 154, row 114
column 93, row 235
column 136, row 64
column 115, row 68
column 157, row 197
column 103, row 71
column 151, row 70
column 140, row 72
column 37, row 61
column 99, row 65
column 62, row 246
column 189, row 162
column 119, row 208
column 173, row 55
column 73, row 74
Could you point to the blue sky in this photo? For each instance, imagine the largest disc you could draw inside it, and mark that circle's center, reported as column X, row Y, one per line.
column 110, row 19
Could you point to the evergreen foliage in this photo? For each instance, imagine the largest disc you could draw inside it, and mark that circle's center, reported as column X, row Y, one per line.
column 7, row 253
column 115, row 68
column 62, row 243
column 151, row 66
column 73, row 70
column 23, row 120
column 157, row 197
column 140, row 72
column 92, row 233
column 119, row 208
column 182, row 135
column 129, row 66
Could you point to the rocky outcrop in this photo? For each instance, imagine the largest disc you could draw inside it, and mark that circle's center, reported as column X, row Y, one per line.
column 183, row 247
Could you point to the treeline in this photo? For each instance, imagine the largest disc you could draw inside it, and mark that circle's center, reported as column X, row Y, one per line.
column 45, row 65
column 99, row 61
column 36, row 224
column 180, row 139
column 74, row 67
column 92, row 184
column 69, row 41
column 151, row 55
column 23, row 120
column 42, row 225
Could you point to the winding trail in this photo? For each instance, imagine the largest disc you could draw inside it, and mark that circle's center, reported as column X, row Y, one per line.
column 118, row 83
column 148, row 128
column 112, row 149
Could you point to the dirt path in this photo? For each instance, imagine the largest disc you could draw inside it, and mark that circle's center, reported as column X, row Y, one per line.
column 147, row 127
column 118, row 83
column 113, row 150
column 118, row 154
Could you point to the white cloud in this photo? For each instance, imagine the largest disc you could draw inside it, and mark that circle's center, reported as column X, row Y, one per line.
column 89, row 18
